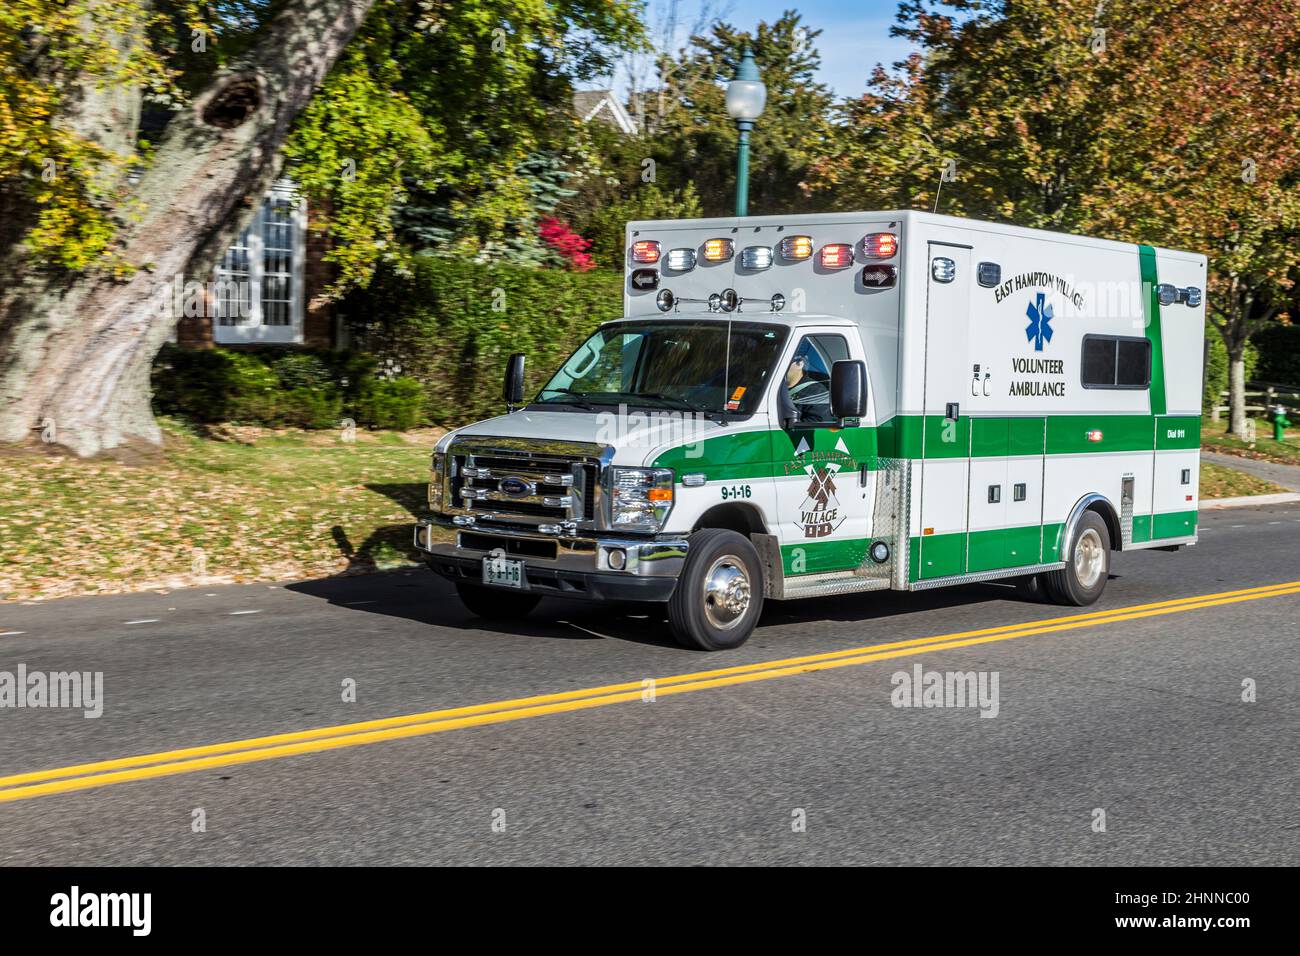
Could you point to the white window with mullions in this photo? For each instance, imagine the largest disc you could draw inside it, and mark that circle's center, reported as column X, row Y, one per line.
column 258, row 293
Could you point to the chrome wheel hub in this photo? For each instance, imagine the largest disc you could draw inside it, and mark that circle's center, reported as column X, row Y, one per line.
column 726, row 592
column 1089, row 558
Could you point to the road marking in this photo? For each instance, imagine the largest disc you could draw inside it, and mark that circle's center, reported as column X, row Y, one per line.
column 40, row 783
column 11, row 633
column 233, row 613
column 143, row 620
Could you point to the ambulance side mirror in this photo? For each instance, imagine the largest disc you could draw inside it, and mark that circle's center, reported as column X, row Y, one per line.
column 848, row 389
column 513, row 389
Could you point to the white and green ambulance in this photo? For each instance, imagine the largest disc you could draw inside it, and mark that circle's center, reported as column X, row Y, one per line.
column 807, row 406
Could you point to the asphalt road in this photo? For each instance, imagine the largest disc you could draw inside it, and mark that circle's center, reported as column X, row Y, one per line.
column 1139, row 715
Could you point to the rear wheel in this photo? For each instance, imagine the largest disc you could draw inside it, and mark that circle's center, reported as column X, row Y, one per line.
column 719, row 595
column 1087, row 566
column 496, row 603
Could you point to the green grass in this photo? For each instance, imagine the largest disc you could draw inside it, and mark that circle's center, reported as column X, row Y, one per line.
column 1216, row 438
column 1220, row 482
column 281, row 506
column 259, row 506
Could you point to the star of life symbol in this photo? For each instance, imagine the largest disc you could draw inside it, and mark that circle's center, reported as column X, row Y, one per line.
column 1039, row 329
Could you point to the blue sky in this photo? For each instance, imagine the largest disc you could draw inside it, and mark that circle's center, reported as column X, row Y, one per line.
column 855, row 33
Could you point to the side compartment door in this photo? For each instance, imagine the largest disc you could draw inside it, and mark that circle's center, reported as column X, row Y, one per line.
column 985, row 544
column 1026, row 443
column 945, row 436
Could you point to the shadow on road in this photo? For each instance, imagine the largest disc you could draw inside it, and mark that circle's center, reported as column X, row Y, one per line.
column 417, row 594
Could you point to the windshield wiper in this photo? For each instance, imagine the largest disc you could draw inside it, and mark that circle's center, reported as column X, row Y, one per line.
column 585, row 406
column 683, row 404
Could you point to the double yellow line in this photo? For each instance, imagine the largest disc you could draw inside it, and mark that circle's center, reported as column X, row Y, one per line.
column 39, row 783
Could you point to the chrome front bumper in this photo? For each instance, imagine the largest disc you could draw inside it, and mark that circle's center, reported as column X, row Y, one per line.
column 578, row 567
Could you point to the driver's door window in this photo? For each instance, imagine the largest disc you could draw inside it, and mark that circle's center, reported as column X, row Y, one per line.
column 804, row 396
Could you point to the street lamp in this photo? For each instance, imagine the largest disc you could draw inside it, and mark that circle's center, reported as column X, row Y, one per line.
column 746, row 97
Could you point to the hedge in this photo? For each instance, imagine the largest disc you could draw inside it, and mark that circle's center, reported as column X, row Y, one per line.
column 1279, row 354
column 279, row 387
column 451, row 325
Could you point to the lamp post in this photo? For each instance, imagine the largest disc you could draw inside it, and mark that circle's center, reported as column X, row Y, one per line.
column 746, row 97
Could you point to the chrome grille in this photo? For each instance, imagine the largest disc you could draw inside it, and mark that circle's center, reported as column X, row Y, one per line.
column 522, row 485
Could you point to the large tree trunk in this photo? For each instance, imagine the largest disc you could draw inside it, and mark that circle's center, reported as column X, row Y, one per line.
column 1237, row 390
column 76, row 353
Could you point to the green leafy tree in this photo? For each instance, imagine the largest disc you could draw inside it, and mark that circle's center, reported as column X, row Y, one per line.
column 136, row 137
column 1161, row 122
column 695, row 140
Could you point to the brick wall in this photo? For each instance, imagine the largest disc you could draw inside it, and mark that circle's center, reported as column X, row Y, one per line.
column 319, row 326
column 318, row 314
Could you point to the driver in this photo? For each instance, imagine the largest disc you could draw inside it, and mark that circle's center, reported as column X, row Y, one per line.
column 802, row 398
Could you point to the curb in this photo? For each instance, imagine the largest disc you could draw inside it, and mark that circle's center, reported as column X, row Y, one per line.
column 1288, row 497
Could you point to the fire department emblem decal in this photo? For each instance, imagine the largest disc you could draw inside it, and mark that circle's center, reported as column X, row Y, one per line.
column 820, row 514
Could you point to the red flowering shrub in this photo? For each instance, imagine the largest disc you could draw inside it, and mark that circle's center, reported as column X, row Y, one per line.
column 571, row 246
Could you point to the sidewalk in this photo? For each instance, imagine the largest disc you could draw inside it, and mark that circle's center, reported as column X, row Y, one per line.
column 1288, row 476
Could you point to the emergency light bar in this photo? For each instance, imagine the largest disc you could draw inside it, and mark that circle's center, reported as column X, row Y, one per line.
column 645, row 250
column 796, row 247
column 718, row 250
column 681, row 260
column 837, row 255
column 879, row 245
column 756, row 257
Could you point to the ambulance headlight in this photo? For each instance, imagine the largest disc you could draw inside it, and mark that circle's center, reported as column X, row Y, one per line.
column 437, row 478
column 640, row 498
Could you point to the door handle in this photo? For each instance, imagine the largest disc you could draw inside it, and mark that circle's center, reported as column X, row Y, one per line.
column 995, row 494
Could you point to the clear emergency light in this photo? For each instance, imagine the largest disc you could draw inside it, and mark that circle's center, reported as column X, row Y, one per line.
column 718, row 250
column 681, row 260
column 837, row 255
column 756, row 257
column 645, row 250
column 796, row 247
column 879, row 245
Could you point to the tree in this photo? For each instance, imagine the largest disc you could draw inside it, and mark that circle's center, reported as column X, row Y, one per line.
column 437, row 98
column 77, row 340
column 695, row 141
column 1121, row 119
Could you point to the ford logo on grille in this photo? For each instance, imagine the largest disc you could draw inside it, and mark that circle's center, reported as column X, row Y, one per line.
column 516, row 487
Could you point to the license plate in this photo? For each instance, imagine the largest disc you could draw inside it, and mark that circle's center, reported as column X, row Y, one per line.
column 503, row 572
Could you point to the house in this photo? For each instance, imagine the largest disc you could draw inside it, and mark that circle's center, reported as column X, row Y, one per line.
column 603, row 106
column 268, row 287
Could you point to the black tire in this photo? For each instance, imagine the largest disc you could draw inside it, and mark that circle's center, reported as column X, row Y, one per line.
column 1087, row 566
column 697, row 613
column 1034, row 589
column 496, row 604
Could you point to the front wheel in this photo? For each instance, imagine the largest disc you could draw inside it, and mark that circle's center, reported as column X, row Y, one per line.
column 495, row 603
column 719, row 595
column 1087, row 566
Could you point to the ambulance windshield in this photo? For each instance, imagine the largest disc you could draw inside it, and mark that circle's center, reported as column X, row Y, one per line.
column 684, row 366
